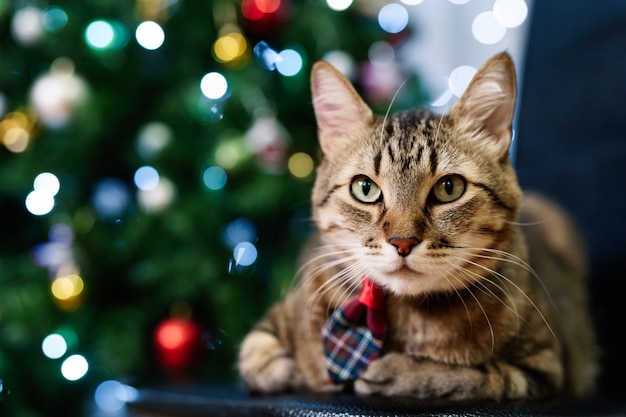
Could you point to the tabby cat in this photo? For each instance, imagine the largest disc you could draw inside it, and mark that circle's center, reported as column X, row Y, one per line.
column 485, row 290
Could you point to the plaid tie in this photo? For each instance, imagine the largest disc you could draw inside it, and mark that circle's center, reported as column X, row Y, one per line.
column 353, row 335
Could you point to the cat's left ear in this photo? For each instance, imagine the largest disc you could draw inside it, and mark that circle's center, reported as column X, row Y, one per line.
column 488, row 103
column 339, row 110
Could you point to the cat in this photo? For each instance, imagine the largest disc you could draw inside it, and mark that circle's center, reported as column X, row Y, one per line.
column 485, row 289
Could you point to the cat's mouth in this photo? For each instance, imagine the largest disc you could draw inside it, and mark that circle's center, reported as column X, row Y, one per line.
column 405, row 271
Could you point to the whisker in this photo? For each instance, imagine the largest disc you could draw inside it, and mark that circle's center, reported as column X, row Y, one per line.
column 393, row 99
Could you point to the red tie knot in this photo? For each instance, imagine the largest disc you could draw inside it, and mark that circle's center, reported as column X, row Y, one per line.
column 371, row 295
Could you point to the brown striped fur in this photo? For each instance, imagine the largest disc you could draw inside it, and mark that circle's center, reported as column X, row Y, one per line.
column 472, row 312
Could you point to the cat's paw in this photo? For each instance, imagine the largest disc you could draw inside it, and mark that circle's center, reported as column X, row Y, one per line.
column 264, row 365
column 398, row 374
column 387, row 376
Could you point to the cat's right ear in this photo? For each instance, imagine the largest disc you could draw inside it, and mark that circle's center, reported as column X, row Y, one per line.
column 339, row 110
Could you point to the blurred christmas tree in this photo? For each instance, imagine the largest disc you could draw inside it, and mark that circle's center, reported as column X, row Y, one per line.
column 156, row 161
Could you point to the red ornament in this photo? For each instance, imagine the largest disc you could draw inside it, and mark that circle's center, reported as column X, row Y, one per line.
column 178, row 343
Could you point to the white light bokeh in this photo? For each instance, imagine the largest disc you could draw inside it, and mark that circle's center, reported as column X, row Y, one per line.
column 99, row 34
column 74, row 367
column 111, row 396
column 486, row 29
column 27, row 25
column 146, row 178
column 158, row 198
column 214, row 85
column 289, row 62
column 460, row 78
column 54, row 346
column 150, row 35
column 245, row 254
column 393, row 18
column 39, row 202
column 48, row 182
column 339, row 5
column 510, row 13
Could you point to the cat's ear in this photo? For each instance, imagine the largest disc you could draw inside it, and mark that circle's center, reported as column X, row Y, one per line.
column 488, row 103
column 339, row 110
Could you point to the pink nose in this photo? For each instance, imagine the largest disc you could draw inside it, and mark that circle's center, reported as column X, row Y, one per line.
column 404, row 246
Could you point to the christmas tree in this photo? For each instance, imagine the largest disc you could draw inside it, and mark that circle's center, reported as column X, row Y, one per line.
column 156, row 160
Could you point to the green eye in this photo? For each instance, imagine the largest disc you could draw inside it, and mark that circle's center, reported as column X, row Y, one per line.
column 448, row 188
column 365, row 190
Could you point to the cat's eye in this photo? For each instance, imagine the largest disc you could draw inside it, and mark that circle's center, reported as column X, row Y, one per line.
column 365, row 190
column 448, row 188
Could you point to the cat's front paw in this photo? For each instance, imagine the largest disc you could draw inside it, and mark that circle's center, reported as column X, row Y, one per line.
column 389, row 375
column 264, row 365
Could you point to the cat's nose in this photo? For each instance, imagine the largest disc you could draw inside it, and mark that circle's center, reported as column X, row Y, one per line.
column 403, row 245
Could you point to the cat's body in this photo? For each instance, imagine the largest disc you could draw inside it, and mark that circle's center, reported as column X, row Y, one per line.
column 485, row 290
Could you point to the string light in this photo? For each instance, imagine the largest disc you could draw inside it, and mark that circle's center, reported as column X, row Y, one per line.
column 230, row 47
column 393, row 18
column 214, row 178
column 300, row 165
column 339, row 5
column 289, row 62
column 214, row 85
column 150, row 35
column 54, row 346
column 486, row 28
column 74, row 367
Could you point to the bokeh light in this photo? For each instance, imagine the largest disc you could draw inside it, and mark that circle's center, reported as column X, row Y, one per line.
column 230, row 47
column 54, row 19
column 150, row 35
column 74, row 367
column 99, row 34
column 381, row 53
column 214, row 85
column 48, row 182
column 411, row 2
column 289, row 62
column 66, row 287
column 245, row 254
column 510, row 13
column 16, row 139
column 486, row 29
column 27, row 25
column 258, row 9
column 146, row 178
column 459, row 79
column 265, row 55
column 54, row 346
column 56, row 94
column 300, row 165
column 240, row 230
column 343, row 61
column 111, row 396
column 158, row 198
column 339, row 5
column 152, row 138
column 214, row 177
column 231, row 152
column 110, row 199
column 39, row 202
column 393, row 18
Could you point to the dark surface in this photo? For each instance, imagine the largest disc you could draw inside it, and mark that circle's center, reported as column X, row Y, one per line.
column 222, row 400
column 571, row 145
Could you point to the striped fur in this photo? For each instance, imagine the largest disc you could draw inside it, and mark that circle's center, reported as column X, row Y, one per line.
column 428, row 207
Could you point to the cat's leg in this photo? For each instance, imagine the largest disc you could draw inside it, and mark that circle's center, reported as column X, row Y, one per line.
column 401, row 374
column 265, row 363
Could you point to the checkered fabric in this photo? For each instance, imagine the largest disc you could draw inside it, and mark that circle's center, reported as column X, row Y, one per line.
column 353, row 335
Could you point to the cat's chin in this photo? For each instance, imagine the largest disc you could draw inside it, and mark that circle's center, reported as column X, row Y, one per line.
column 405, row 281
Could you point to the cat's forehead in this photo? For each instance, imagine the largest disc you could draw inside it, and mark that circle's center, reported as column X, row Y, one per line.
column 411, row 142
